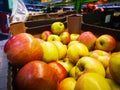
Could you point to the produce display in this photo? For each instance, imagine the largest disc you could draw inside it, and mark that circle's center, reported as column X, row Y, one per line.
column 59, row 60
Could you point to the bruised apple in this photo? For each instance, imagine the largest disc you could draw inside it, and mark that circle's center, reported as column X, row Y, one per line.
column 36, row 75
column 23, row 48
column 60, row 70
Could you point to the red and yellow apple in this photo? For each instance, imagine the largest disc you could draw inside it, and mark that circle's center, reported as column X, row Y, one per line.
column 60, row 70
column 36, row 75
column 87, row 38
column 65, row 37
column 105, row 42
column 23, row 48
column 45, row 34
column 101, row 56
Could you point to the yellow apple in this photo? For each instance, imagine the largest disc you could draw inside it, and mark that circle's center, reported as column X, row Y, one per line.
column 89, row 64
column 53, row 37
column 92, row 81
column 67, row 84
column 50, row 51
column 114, row 66
column 101, row 56
column 76, row 51
column 113, row 84
column 62, row 49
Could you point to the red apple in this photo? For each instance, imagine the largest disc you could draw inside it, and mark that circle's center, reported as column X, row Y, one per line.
column 105, row 42
column 60, row 70
column 65, row 37
column 45, row 34
column 36, row 75
column 87, row 38
column 23, row 48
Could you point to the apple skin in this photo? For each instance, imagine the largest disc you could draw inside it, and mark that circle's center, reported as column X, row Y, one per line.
column 62, row 49
column 101, row 56
column 66, row 64
column 23, row 48
column 60, row 70
column 87, row 38
column 92, row 81
column 75, row 51
column 65, row 37
column 50, row 52
column 36, row 75
column 88, row 64
column 113, row 84
column 53, row 37
column 67, row 84
column 108, row 74
column 45, row 34
column 114, row 66
column 57, row 27
column 105, row 42
column 74, row 36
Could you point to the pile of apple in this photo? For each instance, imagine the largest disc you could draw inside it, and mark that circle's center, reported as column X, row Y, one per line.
column 59, row 60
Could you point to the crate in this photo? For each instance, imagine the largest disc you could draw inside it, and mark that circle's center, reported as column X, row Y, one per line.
column 10, row 71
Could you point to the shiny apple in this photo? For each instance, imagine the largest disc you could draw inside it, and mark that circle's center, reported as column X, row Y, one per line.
column 23, row 48
column 36, row 75
column 60, row 70
column 74, row 36
column 105, row 42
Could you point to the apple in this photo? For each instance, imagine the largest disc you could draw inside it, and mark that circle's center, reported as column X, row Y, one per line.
column 57, row 27
column 45, row 34
column 74, row 36
column 92, row 81
column 76, row 51
column 114, row 66
column 62, row 49
column 65, row 37
column 72, row 42
column 87, row 38
column 36, row 75
column 53, row 37
column 23, row 48
column 67, row 84
column 50, row 52
column 101, row 56
column 113, row 84
column 60, row 70
column 89, row 64
column 108, row 74
column 66, row 64
column 105, row 42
